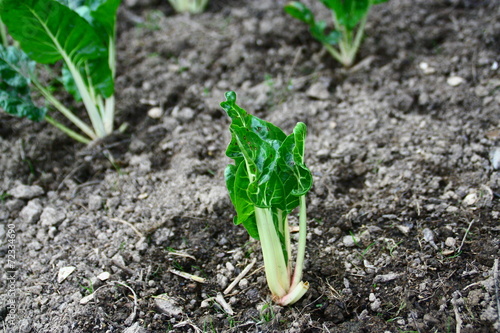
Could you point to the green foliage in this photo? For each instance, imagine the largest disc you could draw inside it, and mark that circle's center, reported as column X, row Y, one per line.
column 268, row 180
column 349, row 19
column 269, row 169
column 81, row 33
column 189, row 6
column 16, row 71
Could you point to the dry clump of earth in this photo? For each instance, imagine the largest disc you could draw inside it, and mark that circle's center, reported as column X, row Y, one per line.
column 134, row 234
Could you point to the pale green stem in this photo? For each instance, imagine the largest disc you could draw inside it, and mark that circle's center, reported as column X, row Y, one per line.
column 109, row 113
column 109, row 103
column 294, row 294
column 347, row 45
column 67, row 130
column 3, row 34
column 359, row 37
column 301, row 249
column 287, row 244
column 334, row 52
column 65, row 111
column 88, row 101
column 191, row 6
column 274, row 262
column 112, row 54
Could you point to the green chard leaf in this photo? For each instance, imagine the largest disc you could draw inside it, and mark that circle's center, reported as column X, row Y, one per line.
column 16, row 73
column 272, row 163
column 300, row 11
column 49, row 31
column 101, row 15
column 348, row 12
column 267, row 181
column 237, row 184
column 316, row 28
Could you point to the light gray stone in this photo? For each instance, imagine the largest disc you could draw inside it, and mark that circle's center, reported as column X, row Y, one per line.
column 350, row 241
column 51, row 216
column 385, row 278
column 2, row 232
column 318, row 90
column 167, row 305
column 26, row 192
column 184, row 114
column 31, row 212
column 95, row 202
column 14, row 205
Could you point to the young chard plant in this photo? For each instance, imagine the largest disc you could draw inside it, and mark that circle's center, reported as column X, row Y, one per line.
column 349, row 20
column 268, row 180
column 81, row 33
column 189, row 6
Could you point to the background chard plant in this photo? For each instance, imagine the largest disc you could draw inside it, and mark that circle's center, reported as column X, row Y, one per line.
column 81, row 33
column 349, row 19
column 268, row 180
column 189, row 6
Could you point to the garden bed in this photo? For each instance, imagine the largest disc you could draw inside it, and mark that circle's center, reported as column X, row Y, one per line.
column 403, row 216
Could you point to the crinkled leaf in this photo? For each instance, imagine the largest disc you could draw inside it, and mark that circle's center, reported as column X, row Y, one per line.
column 316, row 28
column 261, row 158
column 101, row 14
column 318, row 31
column 237, row 184
column 292, row 159
column 17, row 102
column 300, row 11
column 348, row 12
column 271, row 162
column 16, row 72
column 265, row 130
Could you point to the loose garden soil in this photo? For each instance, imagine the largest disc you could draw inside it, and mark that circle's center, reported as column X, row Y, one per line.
column 403, row 217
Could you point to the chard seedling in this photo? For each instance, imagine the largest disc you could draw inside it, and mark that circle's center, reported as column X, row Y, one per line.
column 268, row 180
column 81, row 33
column 349, row 20
column 189, row 6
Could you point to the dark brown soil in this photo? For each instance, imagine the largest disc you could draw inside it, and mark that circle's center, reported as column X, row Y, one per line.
column 403, row 218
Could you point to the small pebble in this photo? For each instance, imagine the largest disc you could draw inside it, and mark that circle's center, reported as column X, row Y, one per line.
column 470, row 199
column 350, row 241
column 455, row 81
column 450, row 242
column 64, row 272
column 426, row 69
column 385, row 278
column 155, row 113
column 243, row 284
column 31, row 212
column 26, row 192
column 429, row 237
column 51, row 216
column 104, row 276
column 495, row 158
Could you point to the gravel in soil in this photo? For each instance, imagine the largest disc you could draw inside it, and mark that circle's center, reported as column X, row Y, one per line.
column 134, row 234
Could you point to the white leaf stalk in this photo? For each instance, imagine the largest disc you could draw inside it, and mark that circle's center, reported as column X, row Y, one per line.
column 286, row 288
column 100, row 111
column 189, row 6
